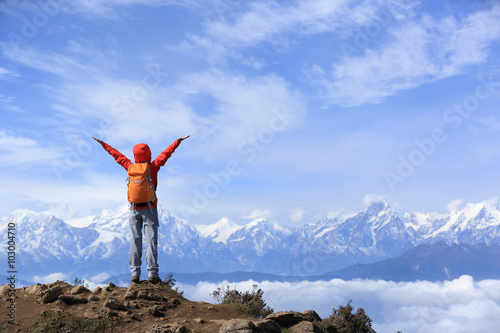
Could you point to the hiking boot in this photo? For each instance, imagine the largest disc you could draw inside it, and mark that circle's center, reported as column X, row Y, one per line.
column 154, row 279
column 135, row 279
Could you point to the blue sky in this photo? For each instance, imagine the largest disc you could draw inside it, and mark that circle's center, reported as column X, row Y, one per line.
column 297, row 110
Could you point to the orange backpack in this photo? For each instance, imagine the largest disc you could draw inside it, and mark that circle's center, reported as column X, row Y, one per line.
column 140, row 186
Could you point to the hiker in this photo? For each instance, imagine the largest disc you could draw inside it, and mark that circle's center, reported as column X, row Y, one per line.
column 142, row 198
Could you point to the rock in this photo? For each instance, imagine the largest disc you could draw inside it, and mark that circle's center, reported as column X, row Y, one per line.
column 199, row 321
column 79, row 290
column 35, row 288
column 150, row 296
column 168, row 329
column 4, row 289
column 111, row 285
column 268, row 326
column 97, row 291
column 238, row 326
column 305, row 327
column 114, row 304
column 49, row 295
column 311, row 315
column 131, row 294
column 286, row 319
column 70, row 300
column 93, row 298
column 155, row 311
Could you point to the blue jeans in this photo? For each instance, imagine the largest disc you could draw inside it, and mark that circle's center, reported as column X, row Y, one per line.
column 147, row 218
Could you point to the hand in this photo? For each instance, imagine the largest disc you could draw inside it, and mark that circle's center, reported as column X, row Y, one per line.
column 181, row 139
column 100, row 141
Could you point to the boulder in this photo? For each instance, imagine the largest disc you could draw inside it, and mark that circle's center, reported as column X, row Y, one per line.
column 155, row 311
column 70, row 299
column 114, row 304
column 311, row 315
column 305, row 327
column 49, row 295
column 268, row 326
column 168, row 329
column 238, row 326
column 150, row 296
column 79, row 290
column 35, row 288
column 96, row 291
column 5, row 289
column 286, row 319
column 131, row 294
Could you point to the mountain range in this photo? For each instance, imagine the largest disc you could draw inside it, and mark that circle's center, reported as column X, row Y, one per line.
column 98, row 244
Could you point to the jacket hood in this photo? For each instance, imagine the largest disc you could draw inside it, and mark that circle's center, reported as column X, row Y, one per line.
column 142, row 153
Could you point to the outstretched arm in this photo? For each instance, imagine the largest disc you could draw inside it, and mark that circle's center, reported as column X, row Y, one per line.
column 165, row 155
column 119, row 157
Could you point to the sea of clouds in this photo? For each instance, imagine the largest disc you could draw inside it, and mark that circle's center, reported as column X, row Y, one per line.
column 461, row 305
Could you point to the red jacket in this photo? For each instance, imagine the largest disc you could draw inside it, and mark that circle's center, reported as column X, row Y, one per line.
column 142, row 153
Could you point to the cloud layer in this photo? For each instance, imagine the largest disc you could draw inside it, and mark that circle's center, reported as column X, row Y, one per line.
column 462, row 305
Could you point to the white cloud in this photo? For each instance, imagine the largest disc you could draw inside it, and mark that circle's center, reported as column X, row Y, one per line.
column 45, row 189
column 283, row 25
column 422, row 50
column 100, row 277
column 257, row 214
column 50, row 278
column 297, row 214
column 146, row 110
column 244, row 108
column 271, row 21
column 12, row 143
column 333, row 214
column 18, row 150
column 461, row 305
column 371, row 198
column 454, row 205
column 7, row 72
column 65, row 66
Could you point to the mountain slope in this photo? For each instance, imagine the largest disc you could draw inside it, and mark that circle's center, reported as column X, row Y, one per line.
column 436, row 262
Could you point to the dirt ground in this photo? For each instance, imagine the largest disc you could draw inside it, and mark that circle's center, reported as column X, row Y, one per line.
column 133, row 309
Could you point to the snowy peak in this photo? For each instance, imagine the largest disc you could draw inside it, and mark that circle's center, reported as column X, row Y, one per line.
column 68, row 212
column 46, row 237
column 266, row 226
column 378, row 207
column 376, row 233
column 475, row 222
column 26, row 219
column 220, row 231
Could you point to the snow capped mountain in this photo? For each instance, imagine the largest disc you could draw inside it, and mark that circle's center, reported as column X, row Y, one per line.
column 99, row 242
column 67, row 212
column 220, row 231
column 370, row 235
column 43, row 239
column 260, row 235
column 475, row 223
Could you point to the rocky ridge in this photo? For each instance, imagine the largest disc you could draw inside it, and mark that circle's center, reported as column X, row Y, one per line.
column 142, row 307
